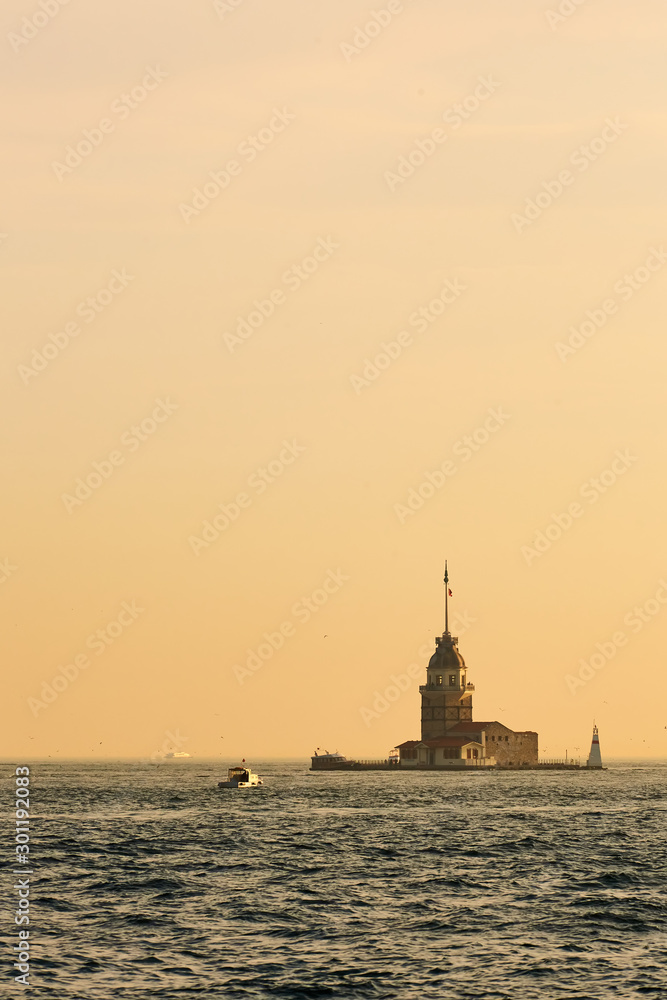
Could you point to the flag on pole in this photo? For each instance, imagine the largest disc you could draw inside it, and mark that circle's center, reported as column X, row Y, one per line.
column 449, row 592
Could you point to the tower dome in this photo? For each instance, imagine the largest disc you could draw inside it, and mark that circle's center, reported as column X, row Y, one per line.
column 446, row 654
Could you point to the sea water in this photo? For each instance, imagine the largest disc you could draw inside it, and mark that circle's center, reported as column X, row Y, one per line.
column 149, row 881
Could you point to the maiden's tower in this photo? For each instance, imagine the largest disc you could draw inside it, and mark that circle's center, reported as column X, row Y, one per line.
column 449, row 735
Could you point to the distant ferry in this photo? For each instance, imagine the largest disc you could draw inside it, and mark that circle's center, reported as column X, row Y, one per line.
column 240, row 777
column 330, row 761
column 176, row 753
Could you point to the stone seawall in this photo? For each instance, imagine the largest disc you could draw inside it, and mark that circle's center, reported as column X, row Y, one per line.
column 398, row 769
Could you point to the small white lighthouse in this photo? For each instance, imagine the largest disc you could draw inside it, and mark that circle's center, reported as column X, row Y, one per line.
column 594, row 758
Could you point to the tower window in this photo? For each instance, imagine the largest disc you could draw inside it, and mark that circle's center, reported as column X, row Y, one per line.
column 438, row 679
column 452, row 680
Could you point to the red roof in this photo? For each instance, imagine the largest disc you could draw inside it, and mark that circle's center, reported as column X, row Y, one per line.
column 408, row 745
column 448, row 741
column 475, row 727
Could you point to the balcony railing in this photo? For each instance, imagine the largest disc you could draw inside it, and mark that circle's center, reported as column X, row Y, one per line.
column 558, row 762
column 446, row 687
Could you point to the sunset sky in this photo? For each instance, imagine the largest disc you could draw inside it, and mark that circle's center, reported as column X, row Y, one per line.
column 419, row 315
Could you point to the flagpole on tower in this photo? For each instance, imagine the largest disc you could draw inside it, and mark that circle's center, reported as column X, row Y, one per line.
column 446, row 600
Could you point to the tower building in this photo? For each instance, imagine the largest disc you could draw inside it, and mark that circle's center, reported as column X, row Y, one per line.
column 446, row 696
column 449, row 736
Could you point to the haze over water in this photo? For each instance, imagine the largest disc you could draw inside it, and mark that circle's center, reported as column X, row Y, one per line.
column 294, row 289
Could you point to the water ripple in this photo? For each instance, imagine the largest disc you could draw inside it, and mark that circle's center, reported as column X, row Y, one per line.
column 496, row 887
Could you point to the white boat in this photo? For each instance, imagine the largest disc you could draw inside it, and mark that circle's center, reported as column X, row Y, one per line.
column 176, row 753
column 240, row 777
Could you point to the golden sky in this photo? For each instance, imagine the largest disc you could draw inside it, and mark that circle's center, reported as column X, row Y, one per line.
column 300, row 299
